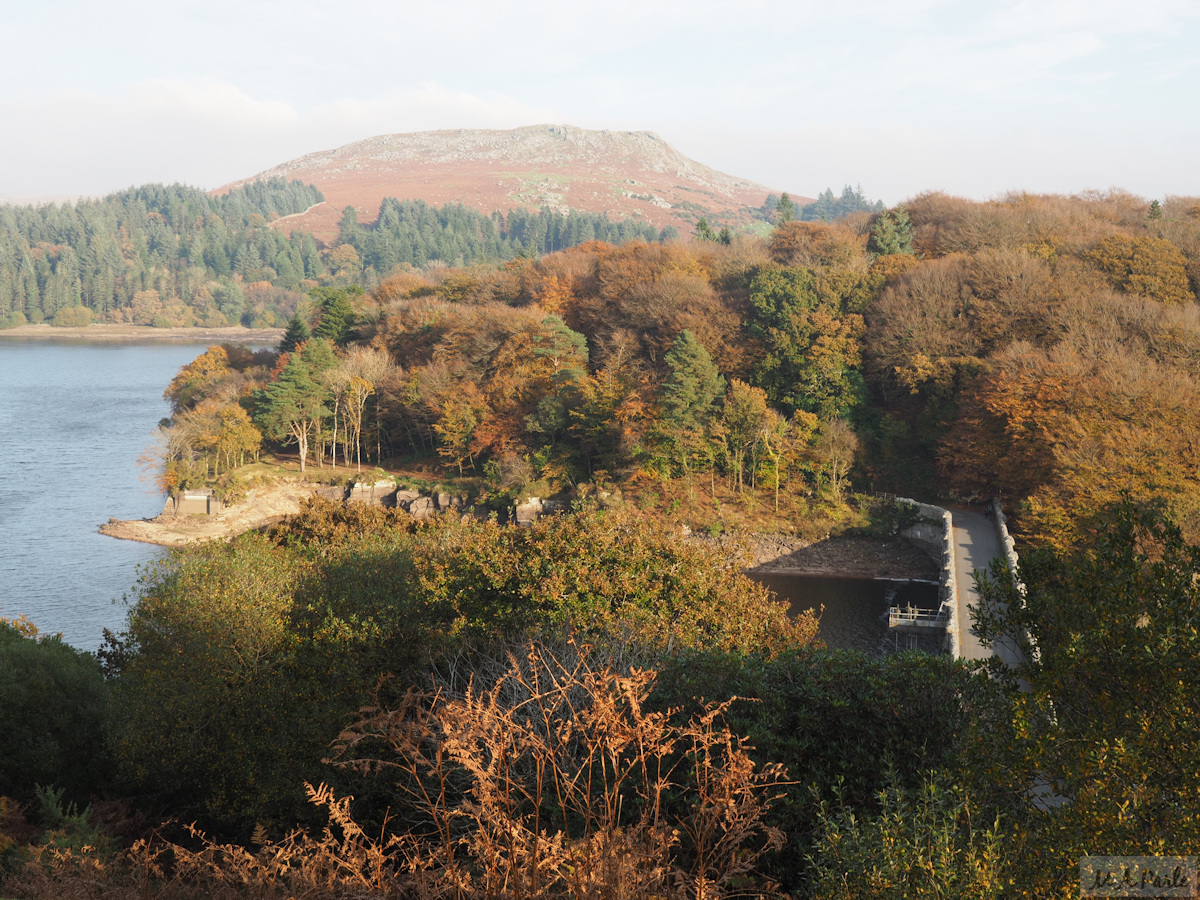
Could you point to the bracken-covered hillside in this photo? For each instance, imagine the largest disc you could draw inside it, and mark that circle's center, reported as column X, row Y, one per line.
column 620, row 173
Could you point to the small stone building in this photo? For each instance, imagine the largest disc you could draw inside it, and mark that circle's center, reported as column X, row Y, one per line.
column 194, row 502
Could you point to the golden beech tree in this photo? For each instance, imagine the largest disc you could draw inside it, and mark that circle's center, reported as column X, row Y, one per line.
column 1071, row 432
column 188, row 384
column 553, row 296
column 815, row 244
column 1149, row 266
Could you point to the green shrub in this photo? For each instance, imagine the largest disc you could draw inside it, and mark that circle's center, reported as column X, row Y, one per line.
column 928, row 841
column 72, row 317
column 66, row 827
column 244, row 660
column 52, row 701
column 836, row 720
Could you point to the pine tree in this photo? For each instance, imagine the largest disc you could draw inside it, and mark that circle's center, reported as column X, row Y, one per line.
column 297, row 333
column 892, row 233
column 336, row 316
column 1155, row 210
column 704, row 231
column 785, row 209
column 691, row 389
column 688, row 399
column 291, row 409
column 348, row 227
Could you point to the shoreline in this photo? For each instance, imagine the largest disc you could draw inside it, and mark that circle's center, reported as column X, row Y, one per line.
column 770, row 554
column 145, row 334
column 262, row 506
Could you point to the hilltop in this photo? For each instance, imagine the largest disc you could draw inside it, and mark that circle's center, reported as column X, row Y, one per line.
column 621, row 173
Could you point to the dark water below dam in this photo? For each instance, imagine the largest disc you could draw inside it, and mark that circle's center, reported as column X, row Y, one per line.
column 855, row 616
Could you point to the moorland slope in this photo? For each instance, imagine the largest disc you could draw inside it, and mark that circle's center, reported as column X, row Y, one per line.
column 621, row 173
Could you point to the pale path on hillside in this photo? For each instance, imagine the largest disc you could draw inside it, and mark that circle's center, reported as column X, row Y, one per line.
column 299, row 214
column 976, row 544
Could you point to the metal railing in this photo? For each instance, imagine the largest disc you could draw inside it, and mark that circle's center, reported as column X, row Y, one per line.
column 921, row 618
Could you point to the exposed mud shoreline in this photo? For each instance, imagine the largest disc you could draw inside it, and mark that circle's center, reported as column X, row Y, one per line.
column 838, row 557
column 146, row 334
column 842, row 557
column 262, row 506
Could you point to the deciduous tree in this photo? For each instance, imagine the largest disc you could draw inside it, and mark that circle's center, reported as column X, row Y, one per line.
column 1149, row 266
column 189, row 383
column 744, row 416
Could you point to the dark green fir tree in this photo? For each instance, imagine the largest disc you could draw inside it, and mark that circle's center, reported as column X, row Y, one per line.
column 892, row 233
column 785, row 209
column 297, row 333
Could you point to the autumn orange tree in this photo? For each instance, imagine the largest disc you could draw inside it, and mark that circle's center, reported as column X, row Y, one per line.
column 210, row 430
column 1044, row 347
column 197, row 378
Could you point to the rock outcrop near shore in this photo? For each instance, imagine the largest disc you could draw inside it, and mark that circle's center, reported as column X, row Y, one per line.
column 269, row 504
column 263, row 506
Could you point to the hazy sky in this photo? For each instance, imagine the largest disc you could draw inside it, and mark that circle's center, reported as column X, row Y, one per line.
column 975, row 98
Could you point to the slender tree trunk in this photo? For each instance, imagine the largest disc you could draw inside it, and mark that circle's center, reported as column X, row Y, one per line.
column 301, row 435
column 335, row 421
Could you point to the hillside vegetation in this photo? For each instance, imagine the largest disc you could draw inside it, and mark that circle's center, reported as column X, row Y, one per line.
column 1039, row 348
column 1047, row 349
column 622, row 175
column 177, row 257
column 597, row 705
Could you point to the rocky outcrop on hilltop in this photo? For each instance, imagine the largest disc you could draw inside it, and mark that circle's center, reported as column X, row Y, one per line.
column 621, row 173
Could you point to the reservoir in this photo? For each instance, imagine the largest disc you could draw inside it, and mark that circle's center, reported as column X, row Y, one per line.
column 74, row 417
column 855, row 616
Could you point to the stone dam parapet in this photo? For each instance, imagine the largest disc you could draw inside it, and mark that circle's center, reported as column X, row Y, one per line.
column 935, row 535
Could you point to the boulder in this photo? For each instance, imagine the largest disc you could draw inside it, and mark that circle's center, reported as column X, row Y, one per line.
column 373, row 494
column 528, row 512
column 405, row 497
column 422, row 508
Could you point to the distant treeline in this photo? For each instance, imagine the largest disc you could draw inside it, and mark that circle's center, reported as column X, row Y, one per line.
column 827, row 207
column 413, row 232
column 153, row 254
column 175, row 256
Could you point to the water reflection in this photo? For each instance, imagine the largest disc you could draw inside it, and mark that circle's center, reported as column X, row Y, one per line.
column 855, row 616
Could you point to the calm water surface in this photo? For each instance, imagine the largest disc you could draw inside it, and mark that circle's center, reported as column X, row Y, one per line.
column 855, row 616
column 73, row 419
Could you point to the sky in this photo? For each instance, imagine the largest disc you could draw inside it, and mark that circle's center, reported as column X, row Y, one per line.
column 973, row 98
